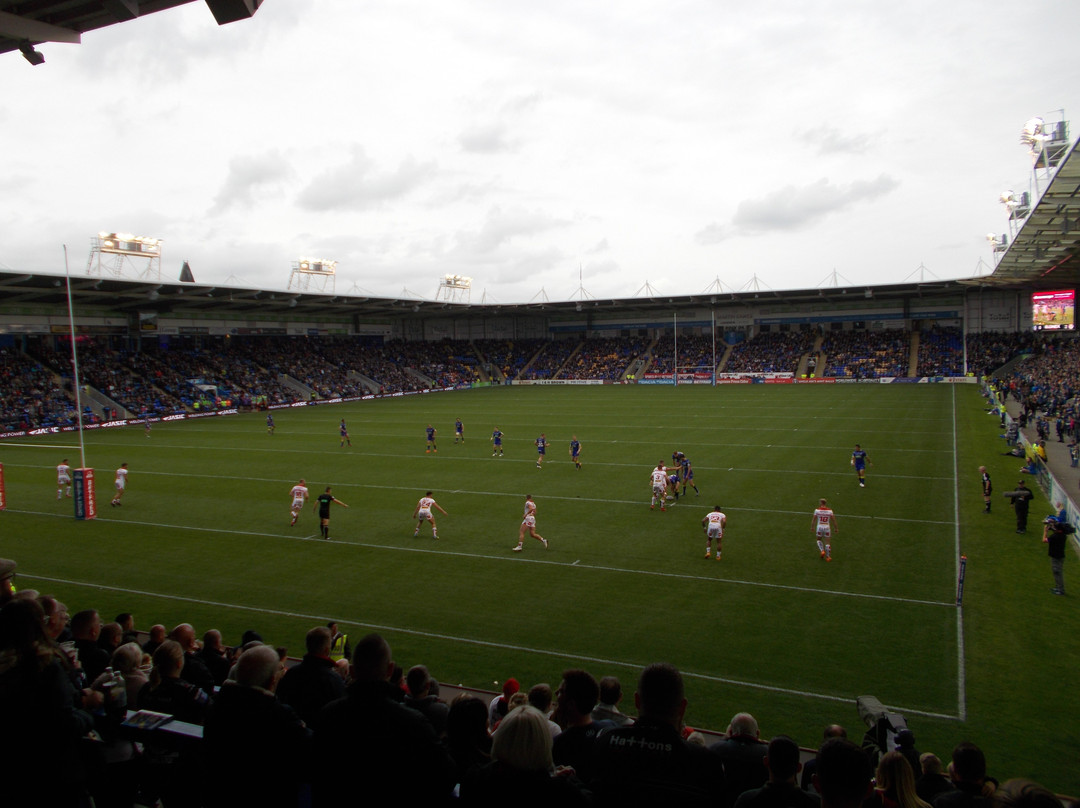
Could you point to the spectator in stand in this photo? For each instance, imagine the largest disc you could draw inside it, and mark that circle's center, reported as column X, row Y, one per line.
column 500, row 705
column 540, row 697
column 40, row 744
column 127, row 625
column 649, row 763
column 315, row 682
column 844, row 776
column 905, row 745
column 156, row 638
column 607, row 709
column 373, row 736
column 894, row 785
column 521, row 771
column 110, row 636
column 932, row 780
column 972, row 788
column 467, row 737
column 257, row 749
column 743, row 753
column 214, row 657
column 420, row 698
column 781, row 789
column 195, row 670
column 128, row 659
column 575, row 699
column 85, row 630
column 1019, row 793
column 807, row 781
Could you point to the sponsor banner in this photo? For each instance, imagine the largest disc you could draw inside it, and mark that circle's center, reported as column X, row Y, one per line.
column 778, row 380
column 734, row 381
column 903, row 380
column 85, row 499
column 663, row 376
column 3, row 495
column 659, row 379
column 829, row 380
column 21, row 433
column 560, row 381
column 757, row 374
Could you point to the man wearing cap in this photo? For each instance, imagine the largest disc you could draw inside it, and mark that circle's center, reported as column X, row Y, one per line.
column 7, row 573
column 1021, row 500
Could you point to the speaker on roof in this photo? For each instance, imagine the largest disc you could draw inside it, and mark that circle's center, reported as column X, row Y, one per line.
column 232, row 10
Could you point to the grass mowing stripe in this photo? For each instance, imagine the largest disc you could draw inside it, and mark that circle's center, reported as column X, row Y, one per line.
column 634, row 666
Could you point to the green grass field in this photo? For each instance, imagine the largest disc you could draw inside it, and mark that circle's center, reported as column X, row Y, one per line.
column 203, row 537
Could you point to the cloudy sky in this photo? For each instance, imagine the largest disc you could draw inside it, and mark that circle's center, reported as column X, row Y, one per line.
column 646, row 145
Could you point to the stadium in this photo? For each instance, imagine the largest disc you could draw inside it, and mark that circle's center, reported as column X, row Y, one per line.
column 219, row 398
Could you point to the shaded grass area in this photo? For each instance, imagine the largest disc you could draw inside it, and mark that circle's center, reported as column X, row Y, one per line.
column 203, row 537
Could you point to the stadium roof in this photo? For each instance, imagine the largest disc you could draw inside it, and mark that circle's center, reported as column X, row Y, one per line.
column 1045, row 253
column 38, row 21
column 24, row 290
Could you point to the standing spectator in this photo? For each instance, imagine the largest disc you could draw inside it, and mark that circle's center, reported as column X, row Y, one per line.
column 987, row 488
column 1056, row 538
column 781, row 790
column 500, row 705
column 315, row 682
column 1021, row 501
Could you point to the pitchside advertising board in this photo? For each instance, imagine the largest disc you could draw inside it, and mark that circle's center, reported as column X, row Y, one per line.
column 82, row 485
column 3, row 496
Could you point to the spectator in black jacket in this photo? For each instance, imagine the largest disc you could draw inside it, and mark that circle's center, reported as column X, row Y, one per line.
column 315, row 682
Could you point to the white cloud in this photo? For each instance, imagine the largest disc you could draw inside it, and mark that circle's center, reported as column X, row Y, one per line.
column 793, row 208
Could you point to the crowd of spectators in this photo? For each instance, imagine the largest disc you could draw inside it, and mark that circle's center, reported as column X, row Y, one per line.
column 603, row 358
column 695, row 354
column 551, row 358
column 276, row 732
column 30, row 397
column 941, row 352
column 866, row 354
column 509, row 356
column 773, row 352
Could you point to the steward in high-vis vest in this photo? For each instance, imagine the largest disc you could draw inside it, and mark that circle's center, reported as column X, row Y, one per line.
column 339, row 643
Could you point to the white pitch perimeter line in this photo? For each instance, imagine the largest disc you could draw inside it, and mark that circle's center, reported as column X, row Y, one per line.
column 961, row 676
column 471, row 641
column 428, row 550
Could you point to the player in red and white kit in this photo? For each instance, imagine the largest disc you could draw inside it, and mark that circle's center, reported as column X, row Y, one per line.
column 824, row 524
column 63, row 479
column 299, row 499
column 423, row 514
column 120, row 483
column 659, row 486
column 528, row 523
column 714, row 523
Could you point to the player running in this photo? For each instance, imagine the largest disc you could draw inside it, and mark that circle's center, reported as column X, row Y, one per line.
column 824, row 524
column 344, row 434
column 269, row 424
column 299, row 500
column 529, row 523
column 713, row 524
column 859, row 460
column 322, row 505
column 120, row 483
column 541, row 449
column 63, row 478
column 431, row 447
column 659, row 487
column 423, row 514
column 459, row 431
column 496, row 442
column 575, row 451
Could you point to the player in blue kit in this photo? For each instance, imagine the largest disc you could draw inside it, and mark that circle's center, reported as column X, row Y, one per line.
column 459, row 431
column 575, row 451
column 496, row 442
column 344, row 434
column 859, row 459
column 431, row 447
column 673, row 486
column 541, row 449
column 269, row 424
column 686, row 475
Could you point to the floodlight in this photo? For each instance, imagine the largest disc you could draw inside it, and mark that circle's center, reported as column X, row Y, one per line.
column 29, row 54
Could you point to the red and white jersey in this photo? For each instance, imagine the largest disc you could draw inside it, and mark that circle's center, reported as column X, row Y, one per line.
column 63, row 473
column 530, row 508
column 299, row 494
column 121, row 478
column 659, row 478
column 423, row 507
column 823, row 520
column 715, row 526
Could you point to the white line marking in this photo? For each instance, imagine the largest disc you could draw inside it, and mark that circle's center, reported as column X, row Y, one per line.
column 961, row 676
column 522, row 560
column 843, row 699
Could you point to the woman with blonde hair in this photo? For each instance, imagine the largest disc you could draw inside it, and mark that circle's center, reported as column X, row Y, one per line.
column 895, row 784
column 521, row 772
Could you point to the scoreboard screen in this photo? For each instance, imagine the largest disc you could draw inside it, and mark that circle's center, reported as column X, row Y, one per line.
column 1053, row 311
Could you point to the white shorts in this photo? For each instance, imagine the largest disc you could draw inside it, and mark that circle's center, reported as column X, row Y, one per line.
column 529, row 521
column 715, row 532
column 659, row 490
column 424, row 513
column 297, row 504
column 63, row 480
column 824, row 532
column 119, row 485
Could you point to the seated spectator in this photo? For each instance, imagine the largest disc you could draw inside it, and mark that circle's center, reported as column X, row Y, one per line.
column 109, row 638
column 971, row 786
column 371, row 735
column 85, row 630
column 213, row 656
column 807, row 780
column 781, row 789
column 40, row 745
column 315, row 682
column 1019, row 793
column 895, row 784
column 905, row 745
column 649, row 763
column 521, row 772
column 607, row 709
column 257, row 749
column 166, row 692
column 500, row 705
column 540, row 697
column 419, row 698
column 932, row 780
column 467, row 737
column 128, row 660
column 127, row 625
column 743, row 754
column 195, row 670
column 843, row 776
column 575, row 700
column 156, row 638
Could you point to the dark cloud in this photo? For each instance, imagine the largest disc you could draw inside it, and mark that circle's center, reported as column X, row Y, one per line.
column 792, row 208
column 359, row 184
column 247, row 175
